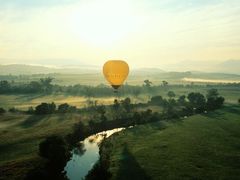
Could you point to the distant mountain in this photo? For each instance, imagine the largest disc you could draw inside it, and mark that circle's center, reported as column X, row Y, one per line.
column 22, row 69
column 230, row 66
column 146, row 71
column 226, row 70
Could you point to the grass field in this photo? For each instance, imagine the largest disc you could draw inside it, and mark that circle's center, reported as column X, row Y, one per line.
column 23, row 102
column 199, row 147
column 20, row 135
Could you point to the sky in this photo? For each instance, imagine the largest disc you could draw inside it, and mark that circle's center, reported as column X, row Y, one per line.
column 145, row 33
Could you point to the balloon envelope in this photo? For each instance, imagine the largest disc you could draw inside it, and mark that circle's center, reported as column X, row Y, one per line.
column 115, row 71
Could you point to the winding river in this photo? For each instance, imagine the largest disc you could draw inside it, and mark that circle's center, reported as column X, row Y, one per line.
column 86, row 155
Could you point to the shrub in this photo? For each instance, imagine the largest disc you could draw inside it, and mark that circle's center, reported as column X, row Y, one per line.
column 45, row 108
column 55, row 149
column 2, row 111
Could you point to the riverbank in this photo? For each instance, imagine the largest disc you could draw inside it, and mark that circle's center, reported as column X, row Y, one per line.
column 203, row 146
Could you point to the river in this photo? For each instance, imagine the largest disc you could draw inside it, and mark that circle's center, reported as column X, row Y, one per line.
column 86, row 155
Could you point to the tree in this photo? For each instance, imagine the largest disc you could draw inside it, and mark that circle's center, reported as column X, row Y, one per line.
column 5, row 86
column 79, row 132
column 182, row 100
column 116, row 104
column 88, row 92
column 46, row 84
column 126, row 103
column 45, row 108
column 136, row 119
column 2, row 111
column 171, row 112
column 171, row 94
column 239, row 101
column 30, row 110
column 12, row 110
column 212, row 93
column 214, row 101
column 172, row 102
column 116, row 109
column 55, row 149
column 101, row 109
column 63, row 108
column 164, row 83
column 197, row 101
column 34, row 87
column 157, row 100
column 146, row 115
column 147, row 83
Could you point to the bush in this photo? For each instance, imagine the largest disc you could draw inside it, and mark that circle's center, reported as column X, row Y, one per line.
column 2, row 111
column 197, row 101
column 80, row 131
column 182, row 100
column 214, row 101
column 126, row 103
column 45, row 108
column 55, row 149
column 157, row 100
column 13, row 110
column 63, row 108
column 171, row 94
column 30, row 110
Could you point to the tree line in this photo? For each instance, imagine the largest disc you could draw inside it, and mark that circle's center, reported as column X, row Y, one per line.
column 45, row 85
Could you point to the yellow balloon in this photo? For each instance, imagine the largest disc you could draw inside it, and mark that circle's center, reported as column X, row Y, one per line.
column 116, row 72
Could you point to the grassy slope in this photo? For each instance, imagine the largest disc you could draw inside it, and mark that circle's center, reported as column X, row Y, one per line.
column 202, row 146
column 20, row 135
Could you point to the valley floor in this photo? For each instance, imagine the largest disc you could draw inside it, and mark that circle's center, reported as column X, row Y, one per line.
column 199, row 147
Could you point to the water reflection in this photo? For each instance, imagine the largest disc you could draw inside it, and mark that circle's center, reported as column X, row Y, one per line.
column 86, row 155
column 79, row 150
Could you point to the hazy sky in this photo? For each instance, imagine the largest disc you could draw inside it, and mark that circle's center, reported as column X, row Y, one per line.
column 146, row 33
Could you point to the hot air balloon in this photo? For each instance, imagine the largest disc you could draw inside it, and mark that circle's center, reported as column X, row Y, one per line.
column 115, row 72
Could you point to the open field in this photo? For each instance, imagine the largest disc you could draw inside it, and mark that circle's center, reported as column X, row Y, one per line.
column 20, row 136
column 202, row 146
column 23, row 102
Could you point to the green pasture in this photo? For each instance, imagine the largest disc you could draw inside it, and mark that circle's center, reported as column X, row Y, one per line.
column 203, row 146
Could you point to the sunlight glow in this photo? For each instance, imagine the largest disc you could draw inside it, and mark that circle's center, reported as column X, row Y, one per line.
column 102, row 23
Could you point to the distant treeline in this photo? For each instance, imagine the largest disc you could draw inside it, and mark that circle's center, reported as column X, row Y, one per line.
column 44, row 85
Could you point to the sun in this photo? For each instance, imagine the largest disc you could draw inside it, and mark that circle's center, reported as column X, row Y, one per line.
column 102, row 23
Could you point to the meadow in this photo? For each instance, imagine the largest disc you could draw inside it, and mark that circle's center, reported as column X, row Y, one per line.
column 24, row 101
column 202, row 146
